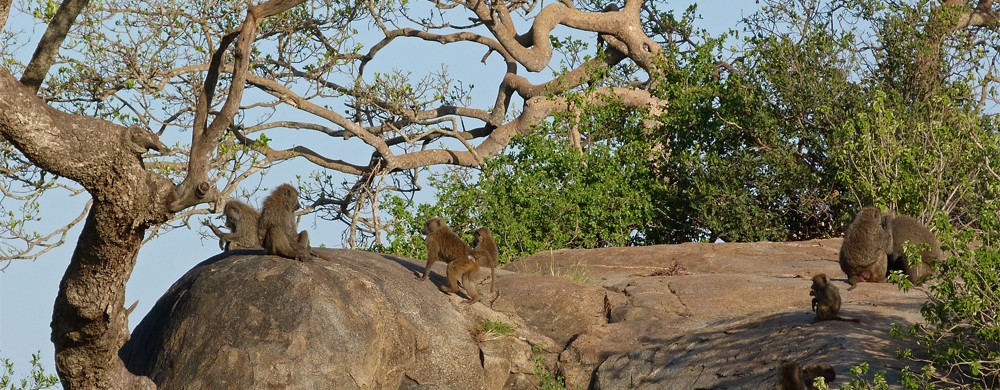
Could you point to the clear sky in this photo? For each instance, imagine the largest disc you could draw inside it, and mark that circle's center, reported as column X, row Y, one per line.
column 28, row 288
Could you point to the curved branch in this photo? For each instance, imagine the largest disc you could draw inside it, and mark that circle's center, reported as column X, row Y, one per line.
column 565, row 82
column 275, row 155
column 535, row 111
column 287, row 95
column 533, row 49
column 431, row 37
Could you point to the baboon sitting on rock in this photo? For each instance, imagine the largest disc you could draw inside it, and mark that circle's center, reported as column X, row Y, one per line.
column 867, row 243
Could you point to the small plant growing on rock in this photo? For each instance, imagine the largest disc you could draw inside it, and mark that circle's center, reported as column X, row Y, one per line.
column 491, row 330
column 548, row 379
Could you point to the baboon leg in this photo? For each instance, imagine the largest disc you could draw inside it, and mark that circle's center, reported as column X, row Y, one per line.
column 427, row 269
column 469, row 281
column 304, row 239
column 453, row 274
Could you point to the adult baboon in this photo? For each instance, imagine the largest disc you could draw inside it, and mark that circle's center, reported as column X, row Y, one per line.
column 905, row 228
column 241, row 219
column 443, row 244
column 867, row 242
column 276, row 225
column 826, row 300
column 484, row 249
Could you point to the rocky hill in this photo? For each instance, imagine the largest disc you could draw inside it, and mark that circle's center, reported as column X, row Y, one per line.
column 690, row 316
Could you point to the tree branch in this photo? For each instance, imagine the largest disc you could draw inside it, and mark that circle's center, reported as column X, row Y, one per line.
column 48, row 47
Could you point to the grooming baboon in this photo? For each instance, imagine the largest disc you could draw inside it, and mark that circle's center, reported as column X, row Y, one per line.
column 443, row 244
column 867, row 242
column 905, row 228
column 484, row 249
column 241, row 219
column 826, row 300
column 276, row 225
column 792, row 376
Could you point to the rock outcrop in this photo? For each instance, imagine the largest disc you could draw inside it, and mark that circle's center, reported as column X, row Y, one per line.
column 664, row 317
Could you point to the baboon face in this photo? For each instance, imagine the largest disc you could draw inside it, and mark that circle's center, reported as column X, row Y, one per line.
column 432, row 226
column 480, row 235
column 820, row 281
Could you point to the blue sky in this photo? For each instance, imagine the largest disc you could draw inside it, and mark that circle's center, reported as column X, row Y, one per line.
column 28, row 288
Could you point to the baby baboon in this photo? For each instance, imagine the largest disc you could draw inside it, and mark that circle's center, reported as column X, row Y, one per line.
column 813, row 371
column 276, row 225
column 793, row 376
column 443, row 244
column 826, row 300
column 790, row 377
column 485, row 250
column 241, row 219
column 905, row 228
column 867, row 242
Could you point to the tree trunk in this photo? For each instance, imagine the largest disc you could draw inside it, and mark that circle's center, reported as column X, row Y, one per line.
column 89, row 323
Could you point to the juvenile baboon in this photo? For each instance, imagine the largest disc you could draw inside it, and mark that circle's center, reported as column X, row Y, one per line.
column 867, row 242
column 826, row 300
column 790, row 377
column 905, row 228
column 813, row 371
column 793, row 376
column 443, row 244
column 484, row 249
column 276, row 225
column 241, row 219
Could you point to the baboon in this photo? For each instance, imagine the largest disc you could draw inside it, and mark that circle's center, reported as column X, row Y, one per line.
column 241, row 219
column 792, row 376
column 905, row 228
column 443, row 244
column 826, row 300
column 276, row 225
column 867, row 242
column 484, row 249
column 813, row 371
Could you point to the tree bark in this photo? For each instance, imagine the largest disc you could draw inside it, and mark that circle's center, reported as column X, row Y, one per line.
column 89, row 323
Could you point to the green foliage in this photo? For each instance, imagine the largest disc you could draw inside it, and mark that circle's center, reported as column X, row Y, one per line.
column 859, row 379
column 959, row 340
column 544, row 195
column 36, row 379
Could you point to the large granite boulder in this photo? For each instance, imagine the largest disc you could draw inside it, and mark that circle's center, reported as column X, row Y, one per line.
column 660, row 317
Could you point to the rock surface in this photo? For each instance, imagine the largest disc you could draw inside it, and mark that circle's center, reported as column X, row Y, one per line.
column 662, row 317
